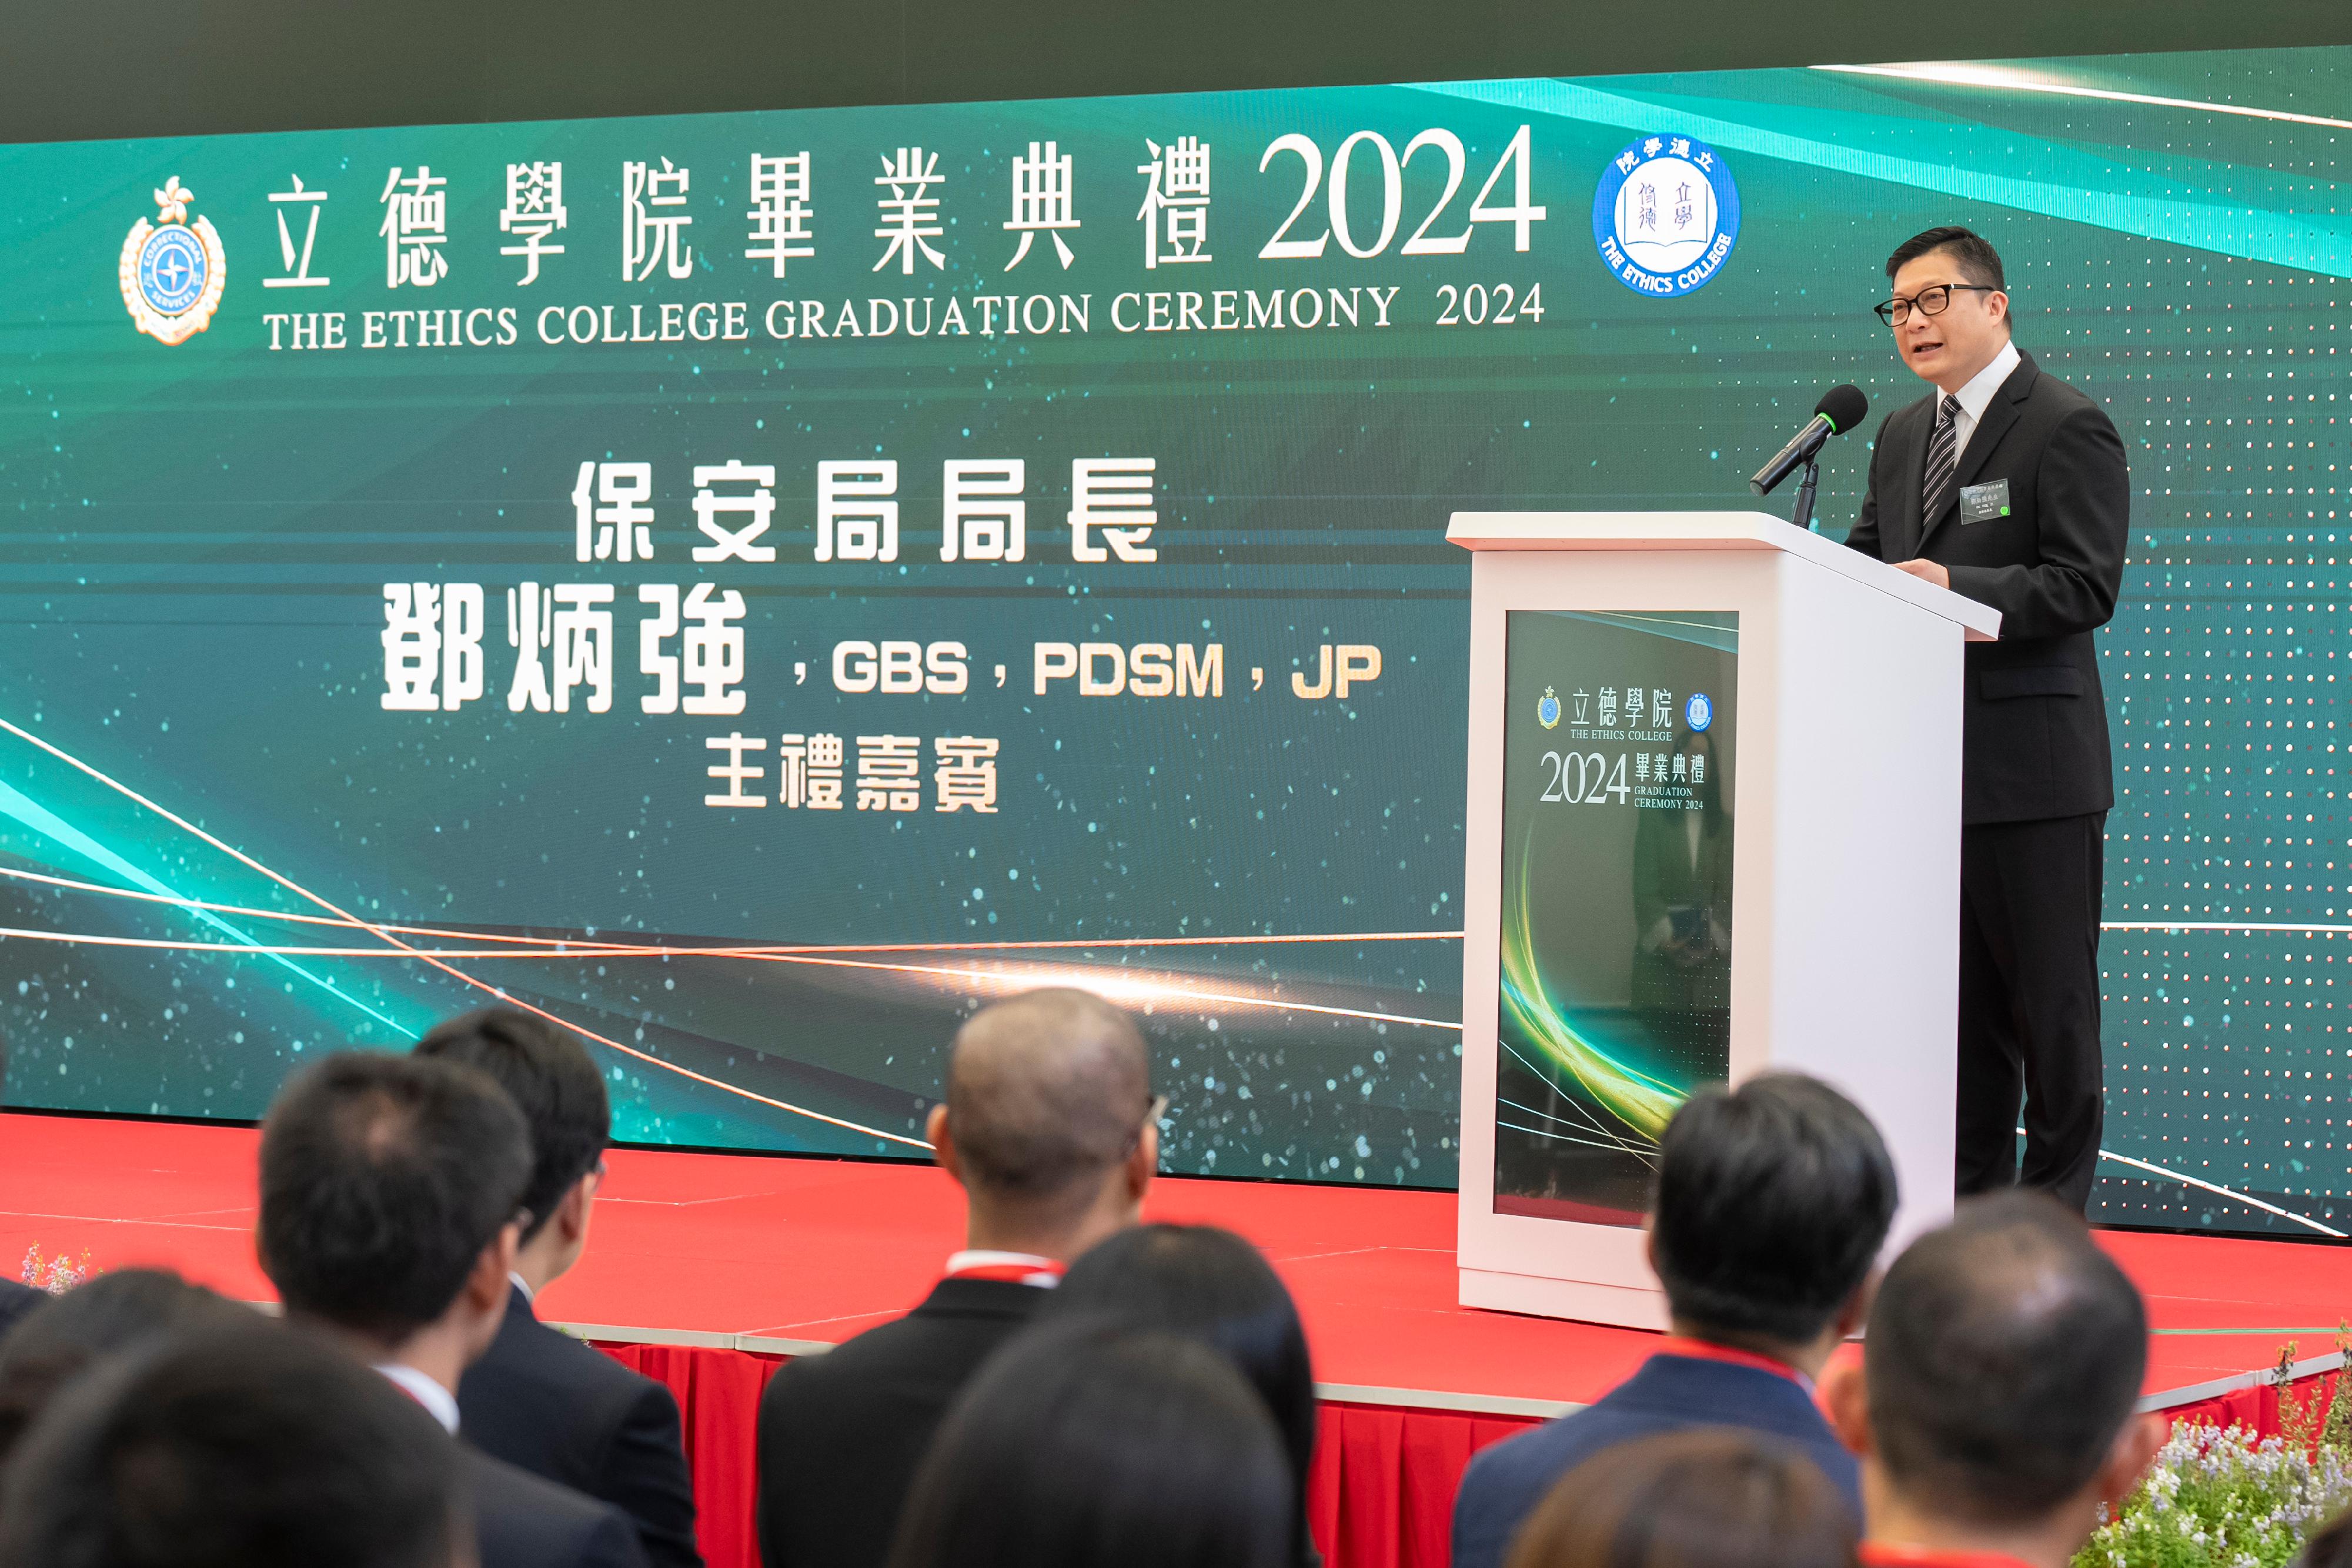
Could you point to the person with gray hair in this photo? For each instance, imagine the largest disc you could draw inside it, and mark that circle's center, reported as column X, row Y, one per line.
column 1050, row 1127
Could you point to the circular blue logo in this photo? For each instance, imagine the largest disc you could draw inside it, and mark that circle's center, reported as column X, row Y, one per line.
column 1665, row 215
column 1698, row 712
column 1548, row 709
column 172, row 270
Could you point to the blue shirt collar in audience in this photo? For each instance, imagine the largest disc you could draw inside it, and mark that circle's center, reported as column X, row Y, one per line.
column 438, row 1402
column 522, row 1289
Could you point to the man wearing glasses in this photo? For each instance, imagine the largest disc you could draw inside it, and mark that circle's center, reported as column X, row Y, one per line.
column 2009, row 487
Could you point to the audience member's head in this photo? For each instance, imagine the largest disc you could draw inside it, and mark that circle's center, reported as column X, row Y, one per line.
column 1706, row 1496
column 1772, row 1201
column 391, row 1194
column 2330, row 1546
column 249, row 1447
column 1088, row 1447
column 547, row 1072
column 117, row 1311
column 2005, row 1356
column 1047, row 1122
column 1209, row 1285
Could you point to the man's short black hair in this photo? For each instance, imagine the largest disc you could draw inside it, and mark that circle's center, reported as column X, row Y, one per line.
column 256, row 1447
column 2006, row 1352
column 547, row 1072
column 1974, row 255
column 1772, row 1200
column 1083, row 1444
column 383, row 1177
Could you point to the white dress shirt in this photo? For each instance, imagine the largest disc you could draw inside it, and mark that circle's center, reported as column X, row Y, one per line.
column 438, row 1402
column 1045, row 1273
column 1976, row 396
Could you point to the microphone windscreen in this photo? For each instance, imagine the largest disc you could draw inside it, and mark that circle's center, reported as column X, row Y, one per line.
column 1844, row 407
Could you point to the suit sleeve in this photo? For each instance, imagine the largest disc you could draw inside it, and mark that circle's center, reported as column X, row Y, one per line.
column 612, row 1543
column 645, row 1474
column 1865, row 536
column 1475, row 1545
column 2083, row 507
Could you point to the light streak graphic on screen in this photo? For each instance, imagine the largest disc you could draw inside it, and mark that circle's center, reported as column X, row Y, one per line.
column 2010, row 80
column 1144, row 990
column 299, row 890
column 1642, row 1102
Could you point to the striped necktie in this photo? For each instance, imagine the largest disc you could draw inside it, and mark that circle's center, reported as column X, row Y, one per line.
column 1943, row 459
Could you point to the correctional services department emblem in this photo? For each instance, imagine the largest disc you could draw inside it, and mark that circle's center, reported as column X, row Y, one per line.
column 1548, row 709
column 173, row 270
column 1665, row 215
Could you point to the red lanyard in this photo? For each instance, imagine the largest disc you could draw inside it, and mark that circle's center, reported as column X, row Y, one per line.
column 1886, row 1555
column 1700, row 1350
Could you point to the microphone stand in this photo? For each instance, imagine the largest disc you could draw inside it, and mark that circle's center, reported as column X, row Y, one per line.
column 1803, row 514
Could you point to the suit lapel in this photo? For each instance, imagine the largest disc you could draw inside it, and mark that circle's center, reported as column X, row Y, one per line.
column 1999, row 415
column 1912, row 465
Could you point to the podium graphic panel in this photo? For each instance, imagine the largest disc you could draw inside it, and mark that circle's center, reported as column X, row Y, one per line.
column 1615, row 982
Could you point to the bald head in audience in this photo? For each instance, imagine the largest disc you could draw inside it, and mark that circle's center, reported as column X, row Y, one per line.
column 1048, row 1123
column 1994, row 1413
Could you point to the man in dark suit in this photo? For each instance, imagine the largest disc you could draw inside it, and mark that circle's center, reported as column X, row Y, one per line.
column 391, row 1208
column 1051, row 1129
column 1771, row 1205
column 539, row 1399
column 1994, row 1414
column 2008, row 486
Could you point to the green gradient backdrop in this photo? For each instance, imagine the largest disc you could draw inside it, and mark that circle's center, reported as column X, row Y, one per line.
column 190, row 591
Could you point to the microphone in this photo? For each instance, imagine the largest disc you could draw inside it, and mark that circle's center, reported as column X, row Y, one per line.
column 1840, row 410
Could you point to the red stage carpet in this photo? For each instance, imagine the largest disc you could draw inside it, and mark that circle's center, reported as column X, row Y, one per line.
column 707, row 1268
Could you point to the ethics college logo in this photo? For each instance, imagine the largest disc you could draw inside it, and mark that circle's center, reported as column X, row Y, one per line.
column 173, row 271
column 1698, row 712
column 1665, row 215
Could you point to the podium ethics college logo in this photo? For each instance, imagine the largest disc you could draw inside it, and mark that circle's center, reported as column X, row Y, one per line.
column 173, row 271
column 1665, row 215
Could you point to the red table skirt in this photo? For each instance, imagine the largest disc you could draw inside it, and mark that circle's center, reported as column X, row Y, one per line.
column 2257, row 1407
column 1381, row 1494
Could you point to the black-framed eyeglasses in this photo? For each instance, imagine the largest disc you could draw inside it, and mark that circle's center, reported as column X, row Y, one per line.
column 1931, row 301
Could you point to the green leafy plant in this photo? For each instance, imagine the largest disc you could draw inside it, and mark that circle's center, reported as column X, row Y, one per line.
column 2223, row 1497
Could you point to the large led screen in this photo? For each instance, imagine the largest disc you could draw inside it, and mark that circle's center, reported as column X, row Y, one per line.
column 754, row 585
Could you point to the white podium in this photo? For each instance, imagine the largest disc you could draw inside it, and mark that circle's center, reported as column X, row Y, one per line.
column 1713, row 827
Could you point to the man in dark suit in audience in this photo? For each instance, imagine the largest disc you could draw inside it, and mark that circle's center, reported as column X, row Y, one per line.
column 539, row 1399
column 1994, row 1413
column 1772, row 1201
column 1051, row 1129
column 391, row 1208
